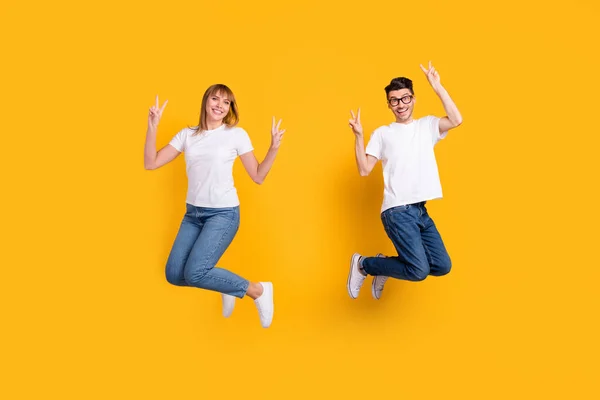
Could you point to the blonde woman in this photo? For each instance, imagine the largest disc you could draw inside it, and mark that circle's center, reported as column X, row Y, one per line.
column 212, row 206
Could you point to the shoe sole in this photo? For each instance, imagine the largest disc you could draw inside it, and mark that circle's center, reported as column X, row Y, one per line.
column 357, row 256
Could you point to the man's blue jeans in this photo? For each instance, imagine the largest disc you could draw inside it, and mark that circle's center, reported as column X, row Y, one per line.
column 203, row 237
column 421, row 251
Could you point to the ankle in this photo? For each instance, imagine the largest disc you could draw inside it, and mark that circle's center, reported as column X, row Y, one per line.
column 255, row 290
column 360, row 266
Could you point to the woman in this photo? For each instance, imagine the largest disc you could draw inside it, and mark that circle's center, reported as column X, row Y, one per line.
column 212, row 205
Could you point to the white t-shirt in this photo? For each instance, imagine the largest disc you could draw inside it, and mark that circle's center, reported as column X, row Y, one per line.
column 209, row 158
column 410, row 172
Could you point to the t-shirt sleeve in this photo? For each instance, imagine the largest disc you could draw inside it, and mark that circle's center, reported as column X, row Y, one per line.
column 243, row 143
column 434, row 129
column 375, row 147
column 178, row 140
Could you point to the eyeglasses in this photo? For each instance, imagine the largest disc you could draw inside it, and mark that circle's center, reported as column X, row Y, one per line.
column 404, row 99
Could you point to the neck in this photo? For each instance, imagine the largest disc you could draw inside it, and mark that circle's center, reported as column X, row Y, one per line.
column 405, row 122
column 210, row 125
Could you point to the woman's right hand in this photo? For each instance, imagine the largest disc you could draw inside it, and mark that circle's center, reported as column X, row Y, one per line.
column 155, row 114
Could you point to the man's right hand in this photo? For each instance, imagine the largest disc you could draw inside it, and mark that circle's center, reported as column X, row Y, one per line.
column 355, row 123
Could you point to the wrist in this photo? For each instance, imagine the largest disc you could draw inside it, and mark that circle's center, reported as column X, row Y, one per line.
column 438, row 89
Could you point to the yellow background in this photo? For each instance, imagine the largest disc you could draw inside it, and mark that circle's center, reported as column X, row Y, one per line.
column 86, row 310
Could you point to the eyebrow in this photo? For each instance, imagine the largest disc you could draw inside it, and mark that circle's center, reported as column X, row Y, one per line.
column 216, row 95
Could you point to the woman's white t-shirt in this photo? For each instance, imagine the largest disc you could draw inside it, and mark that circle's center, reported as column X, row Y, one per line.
column 209, row 158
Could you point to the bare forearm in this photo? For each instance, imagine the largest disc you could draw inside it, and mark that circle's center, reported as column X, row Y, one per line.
column 150, row 149
column 449, row 106
column 265, row 166
column 361, row 156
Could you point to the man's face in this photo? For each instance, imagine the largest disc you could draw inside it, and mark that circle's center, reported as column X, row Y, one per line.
column 401, row 102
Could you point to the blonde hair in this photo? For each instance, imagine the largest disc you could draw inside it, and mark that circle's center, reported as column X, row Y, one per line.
column 232, row 117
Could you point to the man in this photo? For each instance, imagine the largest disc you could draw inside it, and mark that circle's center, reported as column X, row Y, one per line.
column 406, row 149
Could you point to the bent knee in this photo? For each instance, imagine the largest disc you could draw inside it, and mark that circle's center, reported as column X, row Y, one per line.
column 419, row 272
column 173, row 276
column 443, row 268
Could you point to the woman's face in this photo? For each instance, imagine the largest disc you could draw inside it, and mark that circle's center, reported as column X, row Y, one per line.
column 217, row 107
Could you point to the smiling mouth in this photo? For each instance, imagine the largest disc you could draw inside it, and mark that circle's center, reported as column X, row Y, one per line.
column 218, row 112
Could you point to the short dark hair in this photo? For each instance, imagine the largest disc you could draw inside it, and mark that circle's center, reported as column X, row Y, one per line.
column 399, row 83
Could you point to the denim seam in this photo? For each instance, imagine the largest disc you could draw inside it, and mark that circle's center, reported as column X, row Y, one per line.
column 216, row 278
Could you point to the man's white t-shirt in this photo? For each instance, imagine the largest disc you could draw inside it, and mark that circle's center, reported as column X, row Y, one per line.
column 410, row 172
column 209, row 158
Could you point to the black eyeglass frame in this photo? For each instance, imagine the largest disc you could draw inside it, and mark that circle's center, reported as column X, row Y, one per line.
column 404, row 99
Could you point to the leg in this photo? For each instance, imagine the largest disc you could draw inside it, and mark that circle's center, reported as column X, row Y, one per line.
column 219, row 226
column 403, row 228
column 182, row 247
column 437, row 256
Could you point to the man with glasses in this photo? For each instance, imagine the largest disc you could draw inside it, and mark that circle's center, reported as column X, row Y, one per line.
column 411, row 178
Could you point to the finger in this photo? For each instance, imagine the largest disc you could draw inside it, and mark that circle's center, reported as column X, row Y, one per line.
column 429, row 64
column 156, row 101
column 353, row 117
column 163, row 106
column 423, row 68
column 358, row 116
column 279, row 123
column 281, row 133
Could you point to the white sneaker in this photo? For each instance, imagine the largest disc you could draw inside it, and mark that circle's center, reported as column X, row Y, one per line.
column 378, row 282
column 228, row 304
column 355, row 278
column 264, row 304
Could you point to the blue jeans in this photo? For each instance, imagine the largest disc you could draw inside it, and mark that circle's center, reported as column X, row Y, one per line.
column 421, row 251
column 203, row 237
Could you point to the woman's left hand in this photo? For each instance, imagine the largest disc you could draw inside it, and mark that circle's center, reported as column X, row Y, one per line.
column 276, row 134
